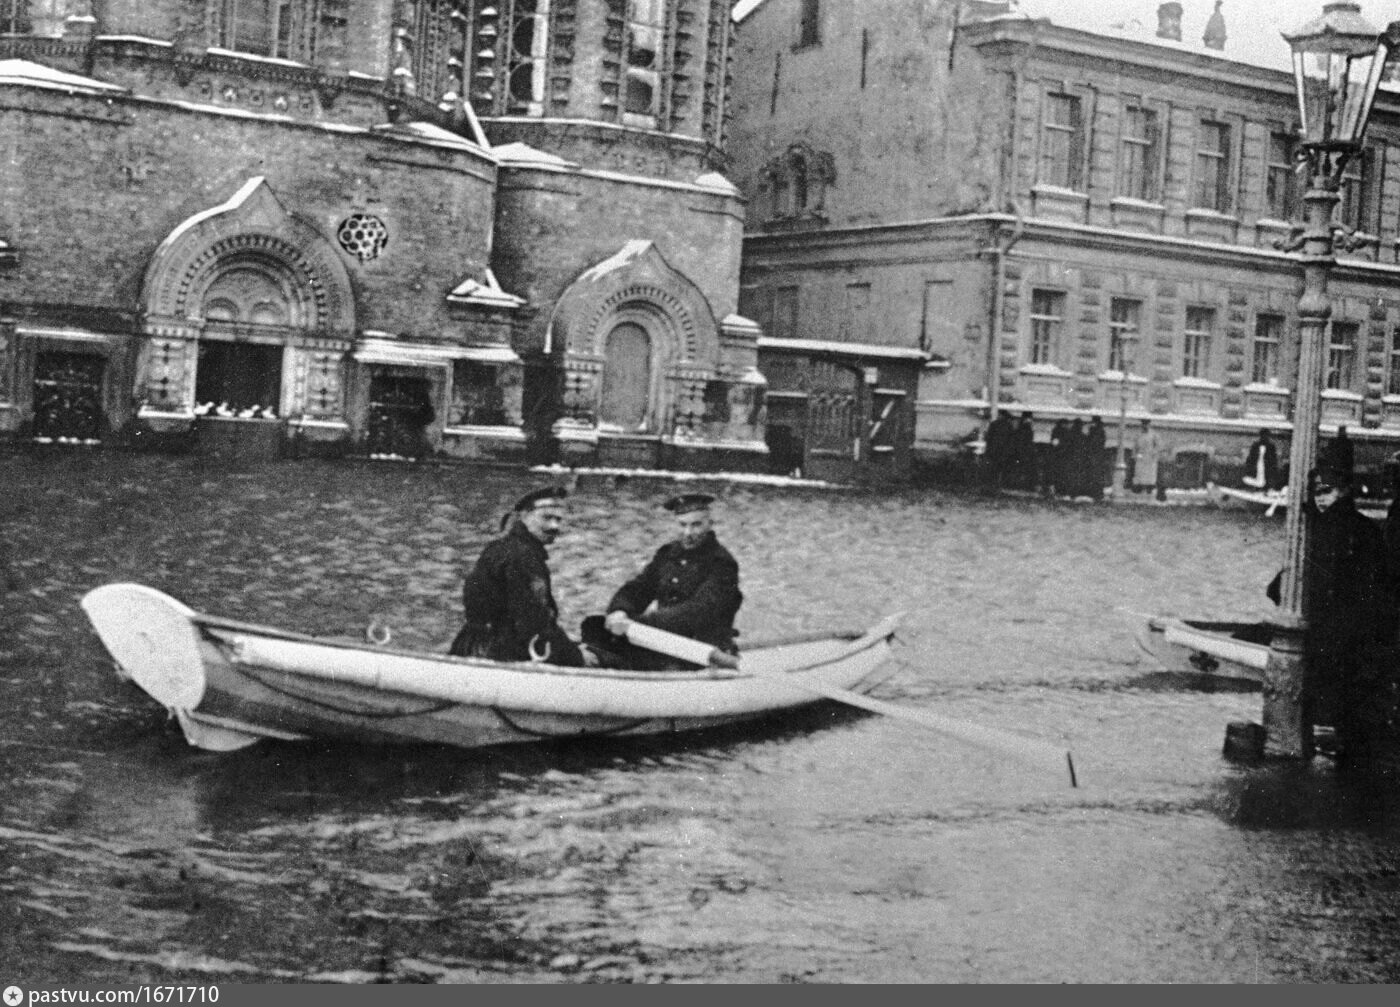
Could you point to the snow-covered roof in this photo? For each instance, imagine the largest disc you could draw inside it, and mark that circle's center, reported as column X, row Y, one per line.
column 1253, row 28
column 29, row 74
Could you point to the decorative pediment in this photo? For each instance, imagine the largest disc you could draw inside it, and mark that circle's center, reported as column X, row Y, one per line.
column 252, row 231
column 637, row 278
column 483, row 294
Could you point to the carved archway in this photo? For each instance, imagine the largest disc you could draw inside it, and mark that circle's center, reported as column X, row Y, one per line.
column 252, row 272
column 636, row 275
column 251, row 230
column 633, row 303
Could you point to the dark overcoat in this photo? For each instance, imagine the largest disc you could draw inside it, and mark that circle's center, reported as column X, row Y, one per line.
column 509, row 603
column 696, row 592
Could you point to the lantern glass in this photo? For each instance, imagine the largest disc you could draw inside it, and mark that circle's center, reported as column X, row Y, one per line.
column 1338, row 60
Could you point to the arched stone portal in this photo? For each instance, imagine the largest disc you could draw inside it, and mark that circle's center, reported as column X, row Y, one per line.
column 249, row 311
column 643, row 360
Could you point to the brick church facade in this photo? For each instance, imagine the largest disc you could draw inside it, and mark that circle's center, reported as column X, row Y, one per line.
column 494, row 231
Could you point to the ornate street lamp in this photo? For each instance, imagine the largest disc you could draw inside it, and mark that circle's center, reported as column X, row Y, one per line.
column 1338, row 60
column 1120, row 340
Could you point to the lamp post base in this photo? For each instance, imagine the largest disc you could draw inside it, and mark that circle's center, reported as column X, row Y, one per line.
column 1120, row 480
column 1287, row 734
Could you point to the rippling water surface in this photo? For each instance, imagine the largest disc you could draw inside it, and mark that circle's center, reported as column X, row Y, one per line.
column 830, row 846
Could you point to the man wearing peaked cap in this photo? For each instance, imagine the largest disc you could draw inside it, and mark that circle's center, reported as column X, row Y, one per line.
column 511, row 614
column 690, row 587
column 686, row 503
column 1351, row 609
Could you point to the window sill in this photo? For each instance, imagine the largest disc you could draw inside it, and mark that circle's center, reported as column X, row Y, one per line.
column 1046, row 370
column 1205, row 214
column 1140, row 205
column 1060, row 192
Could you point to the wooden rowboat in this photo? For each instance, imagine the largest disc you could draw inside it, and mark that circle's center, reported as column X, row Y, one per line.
column 1200, row 647
column 1273, row 502
column 231, row 683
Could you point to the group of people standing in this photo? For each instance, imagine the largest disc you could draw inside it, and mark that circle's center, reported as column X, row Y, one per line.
column 689, row 588
column 1075, row 463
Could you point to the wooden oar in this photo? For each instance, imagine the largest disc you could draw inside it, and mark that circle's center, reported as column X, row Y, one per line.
column 685, row 649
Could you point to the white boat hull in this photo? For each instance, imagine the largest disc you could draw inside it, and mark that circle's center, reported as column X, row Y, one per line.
column 230, row 683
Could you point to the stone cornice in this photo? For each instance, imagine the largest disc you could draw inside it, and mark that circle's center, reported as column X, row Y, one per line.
column 982, row 227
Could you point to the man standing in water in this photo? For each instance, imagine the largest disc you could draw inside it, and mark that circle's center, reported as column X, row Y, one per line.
column 1351, row 610
column 690, row 588
column 511, row 614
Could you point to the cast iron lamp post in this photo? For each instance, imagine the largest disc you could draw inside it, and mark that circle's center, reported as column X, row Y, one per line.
column 1338, row 59
column 1119, row 342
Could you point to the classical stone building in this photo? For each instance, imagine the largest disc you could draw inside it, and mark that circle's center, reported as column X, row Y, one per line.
column 479, row 230
column 960, row 207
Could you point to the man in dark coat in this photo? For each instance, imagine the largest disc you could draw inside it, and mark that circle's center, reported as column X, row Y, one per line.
column 1261, row 469
column 511, row 614
column 1095, row 446
column 997, row 450
column 1056, row 465
column 690, row 588
column 1341, row 454
column 1349, row 603
column 1023, row 474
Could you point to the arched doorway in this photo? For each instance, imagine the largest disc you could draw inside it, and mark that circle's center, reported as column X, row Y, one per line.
column 248, row 310
column 625, row 400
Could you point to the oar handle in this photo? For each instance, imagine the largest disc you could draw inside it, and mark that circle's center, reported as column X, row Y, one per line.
column 680, row 647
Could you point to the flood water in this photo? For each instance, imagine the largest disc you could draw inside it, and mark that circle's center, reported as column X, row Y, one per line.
column 830, row 846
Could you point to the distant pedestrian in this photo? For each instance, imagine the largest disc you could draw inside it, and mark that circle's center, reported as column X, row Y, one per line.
column 1095, row 446
column 1073, row 454
column 1023, row 454
column 1147, row 451
column 996, row 453
column 1053, row 483
column 1261, row 469
column 1340, row 456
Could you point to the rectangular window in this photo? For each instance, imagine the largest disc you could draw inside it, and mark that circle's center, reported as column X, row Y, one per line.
column 1280, row 179
column 1124, row 318
column 1140, row 154
column 1213, row 167
column 522, row 44
column 1195, row 344
column 477, row 397
column 1341, row 352
column 855, row 323
column 1062, row 142
column 1268, row 336
column 1359, row 191
column 936, row 320
column 809, row 23
column 303, row 30
column 1047, row 322
column 646, row 26
column 1392, row 377
column 785, row 313
column 14, row 17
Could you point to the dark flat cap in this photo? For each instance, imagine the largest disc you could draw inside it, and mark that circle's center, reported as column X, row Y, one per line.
column 687, row 502
column 546, row 494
